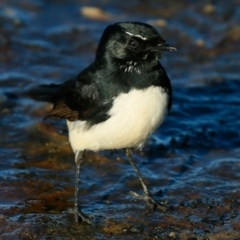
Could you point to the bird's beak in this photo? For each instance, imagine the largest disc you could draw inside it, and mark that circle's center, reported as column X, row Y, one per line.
column 165, row 47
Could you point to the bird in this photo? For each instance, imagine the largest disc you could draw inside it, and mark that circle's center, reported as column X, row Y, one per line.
column 118, row 101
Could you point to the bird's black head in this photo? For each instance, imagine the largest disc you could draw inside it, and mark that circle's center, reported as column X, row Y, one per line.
column 131, row 44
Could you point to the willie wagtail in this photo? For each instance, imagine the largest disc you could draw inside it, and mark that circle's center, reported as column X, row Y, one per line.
column 119, row 100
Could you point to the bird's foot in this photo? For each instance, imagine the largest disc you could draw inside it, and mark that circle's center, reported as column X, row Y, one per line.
column 151, row 202
column 81, row 216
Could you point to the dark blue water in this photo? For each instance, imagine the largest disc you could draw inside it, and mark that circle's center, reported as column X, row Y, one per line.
column 192, row 160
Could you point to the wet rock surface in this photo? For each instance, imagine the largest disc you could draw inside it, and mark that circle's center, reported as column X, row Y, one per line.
column 192, row 162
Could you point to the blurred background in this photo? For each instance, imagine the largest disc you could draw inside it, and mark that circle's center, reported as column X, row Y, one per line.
column 192, row 161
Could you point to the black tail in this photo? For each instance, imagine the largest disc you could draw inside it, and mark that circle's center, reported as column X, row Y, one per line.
column 44, row 92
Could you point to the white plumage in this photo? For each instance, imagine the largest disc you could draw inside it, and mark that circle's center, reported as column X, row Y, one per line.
column 133, row 117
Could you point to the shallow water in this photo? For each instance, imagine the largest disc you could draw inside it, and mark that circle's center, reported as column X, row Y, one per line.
column 192, row 160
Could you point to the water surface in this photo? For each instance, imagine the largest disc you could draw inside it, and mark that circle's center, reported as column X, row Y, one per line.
column 192, row 160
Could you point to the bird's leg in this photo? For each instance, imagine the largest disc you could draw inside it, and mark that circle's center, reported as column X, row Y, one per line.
column 146, row 196
column 76, row 210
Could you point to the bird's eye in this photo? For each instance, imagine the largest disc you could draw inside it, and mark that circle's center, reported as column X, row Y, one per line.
column 132, row 43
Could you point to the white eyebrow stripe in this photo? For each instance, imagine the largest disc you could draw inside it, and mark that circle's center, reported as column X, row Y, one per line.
column 139, row 36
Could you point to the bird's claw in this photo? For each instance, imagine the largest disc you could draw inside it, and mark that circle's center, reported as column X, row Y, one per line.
column 151, row 202
column 81, row 216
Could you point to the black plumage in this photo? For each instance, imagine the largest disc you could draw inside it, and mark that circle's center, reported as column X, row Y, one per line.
column 90, row 95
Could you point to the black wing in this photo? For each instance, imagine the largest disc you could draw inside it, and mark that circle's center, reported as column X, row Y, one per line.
column 75, row 100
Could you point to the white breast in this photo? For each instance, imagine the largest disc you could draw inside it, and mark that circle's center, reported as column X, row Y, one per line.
column 133, row 117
